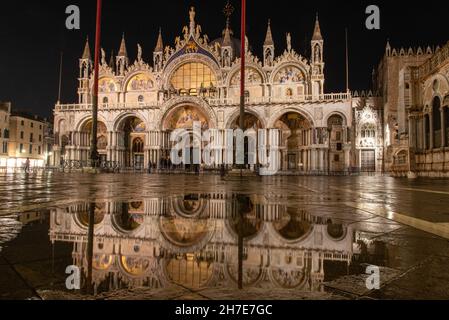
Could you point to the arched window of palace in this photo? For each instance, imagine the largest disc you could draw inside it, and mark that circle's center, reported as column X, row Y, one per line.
column 191, row 77
column 252, row 77
column 105, row 100
column 140, row 82
column 141, row 99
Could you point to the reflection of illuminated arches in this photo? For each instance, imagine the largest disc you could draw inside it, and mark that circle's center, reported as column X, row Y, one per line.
column 183, row 117
column 189, row 271
column 82, row 216
column 293, row 226
column 336, row 231
column 126, row 220
column 243, row 219
column 102, row 262
column 133, row 266
column 189, row 206
column 288, row 278
column 184, row 233
column 252, row 274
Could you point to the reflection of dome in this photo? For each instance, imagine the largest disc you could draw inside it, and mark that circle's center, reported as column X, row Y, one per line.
column 292, row 225
column 127, row 221
column 184, row 232
column 134, row 266
column 188, row 272
column 335, row 231
column 101, row 261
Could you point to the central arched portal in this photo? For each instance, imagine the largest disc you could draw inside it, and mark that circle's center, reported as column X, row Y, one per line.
column 296, row 139
column 184, row 118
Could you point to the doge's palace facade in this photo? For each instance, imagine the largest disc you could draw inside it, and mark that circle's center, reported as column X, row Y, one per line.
column 197, row 80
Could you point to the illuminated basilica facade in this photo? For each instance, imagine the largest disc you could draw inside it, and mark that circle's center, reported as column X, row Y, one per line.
column 197, row 80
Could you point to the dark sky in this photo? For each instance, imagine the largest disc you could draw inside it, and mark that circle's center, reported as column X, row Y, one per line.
column 32, row 35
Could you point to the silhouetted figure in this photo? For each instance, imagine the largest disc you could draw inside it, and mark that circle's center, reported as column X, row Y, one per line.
column 27, row 165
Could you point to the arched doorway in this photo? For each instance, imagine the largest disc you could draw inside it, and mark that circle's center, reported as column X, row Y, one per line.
column 131, row 142
column 336, row 132
column 251, row 124
column 102, row 139
column 296, row 138
column 184, row 118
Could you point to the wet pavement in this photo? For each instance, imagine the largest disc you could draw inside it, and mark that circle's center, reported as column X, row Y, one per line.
column 204, row 237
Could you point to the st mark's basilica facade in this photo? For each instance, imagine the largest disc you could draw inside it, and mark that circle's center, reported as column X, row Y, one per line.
column 198, row 80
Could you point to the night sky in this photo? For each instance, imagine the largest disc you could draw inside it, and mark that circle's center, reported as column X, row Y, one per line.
column 33, row 33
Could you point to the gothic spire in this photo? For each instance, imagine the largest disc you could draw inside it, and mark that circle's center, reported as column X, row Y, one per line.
column 112, row 61
column 122, row 51
column 160, row 43
column 317, row 32
column 227, row 42
column 269, row 36
column 86, row 52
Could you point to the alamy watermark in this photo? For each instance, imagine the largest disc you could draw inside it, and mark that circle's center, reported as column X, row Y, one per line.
column 73, row 21
column 373, row 280
column 373, row 20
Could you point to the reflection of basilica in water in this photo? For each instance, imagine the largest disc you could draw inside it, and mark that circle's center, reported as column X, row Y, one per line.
column 193, row 241
column 198, row 80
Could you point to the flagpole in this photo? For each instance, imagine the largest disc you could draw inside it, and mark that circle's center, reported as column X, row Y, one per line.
column 347, row 61
column 93, row 147
column 242, row 66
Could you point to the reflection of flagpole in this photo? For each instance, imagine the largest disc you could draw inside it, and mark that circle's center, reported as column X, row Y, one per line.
column 93, row 147
column 242, row 66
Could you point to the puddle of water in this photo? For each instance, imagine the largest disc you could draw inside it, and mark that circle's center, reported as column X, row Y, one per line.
column 194, row 242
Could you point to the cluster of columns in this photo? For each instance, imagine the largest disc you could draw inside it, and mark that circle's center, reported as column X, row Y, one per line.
column 424, row 136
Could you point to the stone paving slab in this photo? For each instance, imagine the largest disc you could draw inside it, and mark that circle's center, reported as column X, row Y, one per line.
column 356, row 284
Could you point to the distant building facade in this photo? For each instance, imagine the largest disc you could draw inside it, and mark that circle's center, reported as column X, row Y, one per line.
column 415, row 101
column 198, row 80
column 5, row 112
column 27, row 141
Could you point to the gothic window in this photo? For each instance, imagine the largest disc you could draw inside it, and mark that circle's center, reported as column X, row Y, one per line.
column 289, row 92
column 138, row 145
column 140, row 99
column 193, row 76
column 105, row 100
